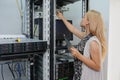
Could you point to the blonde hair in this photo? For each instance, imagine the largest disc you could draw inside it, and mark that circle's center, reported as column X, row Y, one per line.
column 96, row 26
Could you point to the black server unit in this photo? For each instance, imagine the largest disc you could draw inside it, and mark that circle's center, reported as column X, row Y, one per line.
column 64, row 71
column 64, row 67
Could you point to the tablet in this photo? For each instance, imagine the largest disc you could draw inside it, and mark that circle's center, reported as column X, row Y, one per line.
column 68, row 44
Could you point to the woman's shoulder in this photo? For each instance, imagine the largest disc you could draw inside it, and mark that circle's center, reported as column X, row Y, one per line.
column 94, row 39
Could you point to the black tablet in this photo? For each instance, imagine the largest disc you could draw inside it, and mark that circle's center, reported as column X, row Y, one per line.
column 68, row 44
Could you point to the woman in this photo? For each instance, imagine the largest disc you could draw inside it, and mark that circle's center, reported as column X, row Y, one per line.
column 94, row 50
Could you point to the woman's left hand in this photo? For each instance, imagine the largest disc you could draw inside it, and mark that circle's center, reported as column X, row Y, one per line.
column 74, row 52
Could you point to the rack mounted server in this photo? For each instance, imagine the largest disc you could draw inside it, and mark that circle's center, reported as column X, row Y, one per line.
column 10, row 47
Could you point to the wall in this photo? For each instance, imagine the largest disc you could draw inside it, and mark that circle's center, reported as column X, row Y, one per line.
column 75, row 14
column 114, row 41
column 10, row 20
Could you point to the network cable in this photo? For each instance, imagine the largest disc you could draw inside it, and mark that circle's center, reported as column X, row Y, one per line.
column 11, row 71
column 2, row 72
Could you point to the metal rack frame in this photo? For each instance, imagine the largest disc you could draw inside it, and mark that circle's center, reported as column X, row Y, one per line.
column 49, row 12
column 46, row 36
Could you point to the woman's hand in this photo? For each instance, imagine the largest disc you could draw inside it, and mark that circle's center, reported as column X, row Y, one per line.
column 74, row 52
column 59, row 15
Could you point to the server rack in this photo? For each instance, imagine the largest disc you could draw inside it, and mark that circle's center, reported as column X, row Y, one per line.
column 49, row 10
column 61, row 65
column 46, row 33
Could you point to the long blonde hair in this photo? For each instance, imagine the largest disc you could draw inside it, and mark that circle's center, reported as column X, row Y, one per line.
column 96, row 27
